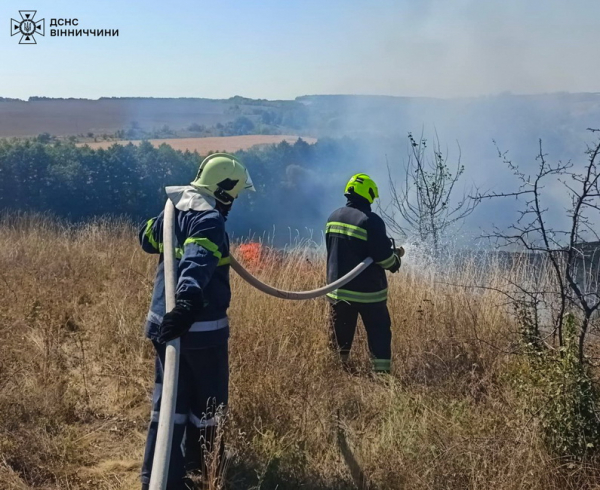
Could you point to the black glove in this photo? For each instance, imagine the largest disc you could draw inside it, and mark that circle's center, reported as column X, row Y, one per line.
column 178, row 321
column 399, row 251
column 396, row 266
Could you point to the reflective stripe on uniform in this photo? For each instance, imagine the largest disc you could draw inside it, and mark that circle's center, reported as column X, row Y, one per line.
column 389, row 262
column 209, row 326
column 382, row 364
column 222, row 261
column 179, row 418
column 154, row 318
column 206, row 244
column 358, row 297
column 148, row 234
column 203, row 422
column 340, row 228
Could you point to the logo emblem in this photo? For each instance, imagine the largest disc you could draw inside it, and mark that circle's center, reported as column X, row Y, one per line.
column 27, row 27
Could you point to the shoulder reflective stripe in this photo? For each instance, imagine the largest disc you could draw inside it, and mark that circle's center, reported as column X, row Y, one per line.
column 341, row 231
column 346, row 225
column 389, row 262
column 224, row 261
column 204, row 243
column 148, row 234
column 209, row 326
column 178, row 253
column 382, row 364
column 349, row 230
column 358, row 297
column 343, row 226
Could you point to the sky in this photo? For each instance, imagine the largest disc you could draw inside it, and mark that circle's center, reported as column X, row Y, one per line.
column 280, row 49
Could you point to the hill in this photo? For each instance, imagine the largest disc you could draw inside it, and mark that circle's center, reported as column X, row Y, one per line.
column 317, row 115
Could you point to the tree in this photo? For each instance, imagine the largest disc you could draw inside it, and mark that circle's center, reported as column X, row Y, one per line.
column 242, row 125
column 44, row 138
column 573, row 286
column 556, row 302
column 196, row 128
column 427, row 205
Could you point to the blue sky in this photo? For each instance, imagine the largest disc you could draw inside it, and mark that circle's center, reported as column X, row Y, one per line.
column 285, row 48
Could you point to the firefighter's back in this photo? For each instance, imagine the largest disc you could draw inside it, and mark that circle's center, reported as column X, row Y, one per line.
column 347, row 241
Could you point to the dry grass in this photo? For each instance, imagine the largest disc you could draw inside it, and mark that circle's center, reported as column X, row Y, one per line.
column 75, row 378
column 211, row 143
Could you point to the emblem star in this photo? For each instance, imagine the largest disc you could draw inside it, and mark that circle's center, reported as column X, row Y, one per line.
column 27, row 27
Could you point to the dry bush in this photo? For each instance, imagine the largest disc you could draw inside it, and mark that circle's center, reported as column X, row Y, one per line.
column 75, row 376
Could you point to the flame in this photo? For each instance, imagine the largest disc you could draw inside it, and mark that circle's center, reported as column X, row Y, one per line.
column 257, row 257
column 251, row 252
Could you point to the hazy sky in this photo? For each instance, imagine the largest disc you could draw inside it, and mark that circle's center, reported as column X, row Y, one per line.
column 285, row 48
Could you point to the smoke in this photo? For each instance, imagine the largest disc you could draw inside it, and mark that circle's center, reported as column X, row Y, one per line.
column 481, row 131
column 466, row 48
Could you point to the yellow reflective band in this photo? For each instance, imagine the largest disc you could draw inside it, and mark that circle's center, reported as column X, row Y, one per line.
column 224, row 261
column 178, row 253
column 148, row 233
column 346, row 233
column 206, row 244
column 382, row 364
column 346, row 225
column 358, row 297
column 389, row 262
column 348, row 230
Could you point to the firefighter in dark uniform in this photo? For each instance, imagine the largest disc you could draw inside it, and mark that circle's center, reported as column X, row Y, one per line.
column 200, row 314
column 354, row 233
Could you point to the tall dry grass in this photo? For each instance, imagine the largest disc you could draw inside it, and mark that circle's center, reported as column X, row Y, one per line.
column 76, row 375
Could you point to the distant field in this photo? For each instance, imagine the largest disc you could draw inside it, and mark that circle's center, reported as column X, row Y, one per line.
column 204, row 145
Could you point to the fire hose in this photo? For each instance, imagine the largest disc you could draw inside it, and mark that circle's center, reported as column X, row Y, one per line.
column 298, row 295
column 162, row 451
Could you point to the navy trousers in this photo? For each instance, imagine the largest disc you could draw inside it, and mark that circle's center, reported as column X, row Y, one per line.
column 376, row 317
column 203, row 387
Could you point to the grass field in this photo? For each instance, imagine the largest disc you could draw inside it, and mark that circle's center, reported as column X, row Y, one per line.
column 76, row 377
column 205, row 145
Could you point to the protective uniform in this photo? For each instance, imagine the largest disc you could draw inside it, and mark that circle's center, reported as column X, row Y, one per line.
column 354, row 233
column 200, row 315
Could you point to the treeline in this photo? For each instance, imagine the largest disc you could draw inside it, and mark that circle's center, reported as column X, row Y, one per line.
column 78, row 183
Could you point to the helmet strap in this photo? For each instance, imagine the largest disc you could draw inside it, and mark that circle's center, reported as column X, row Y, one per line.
column 223, row 197
column 223, row 208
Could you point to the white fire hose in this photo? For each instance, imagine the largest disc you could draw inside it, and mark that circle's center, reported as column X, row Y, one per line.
column 162, row 451
column 164, row 437
column 297, row 295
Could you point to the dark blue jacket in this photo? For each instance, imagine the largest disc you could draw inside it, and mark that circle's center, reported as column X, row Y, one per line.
column 354, row 233
column 202, row 253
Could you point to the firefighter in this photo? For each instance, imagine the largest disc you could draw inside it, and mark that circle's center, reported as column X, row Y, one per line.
column 353, row 233
column 200, row 314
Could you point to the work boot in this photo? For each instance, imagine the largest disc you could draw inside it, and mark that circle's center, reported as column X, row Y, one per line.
column 382, row 366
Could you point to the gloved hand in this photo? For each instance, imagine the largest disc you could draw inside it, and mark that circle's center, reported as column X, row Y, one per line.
column 178, row 321
column 396, row 266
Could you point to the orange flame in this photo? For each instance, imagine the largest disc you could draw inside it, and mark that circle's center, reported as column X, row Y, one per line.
column 251, row 252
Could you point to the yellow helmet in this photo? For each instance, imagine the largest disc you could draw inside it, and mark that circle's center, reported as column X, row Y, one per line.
column 223, row 176
column 364, row 186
